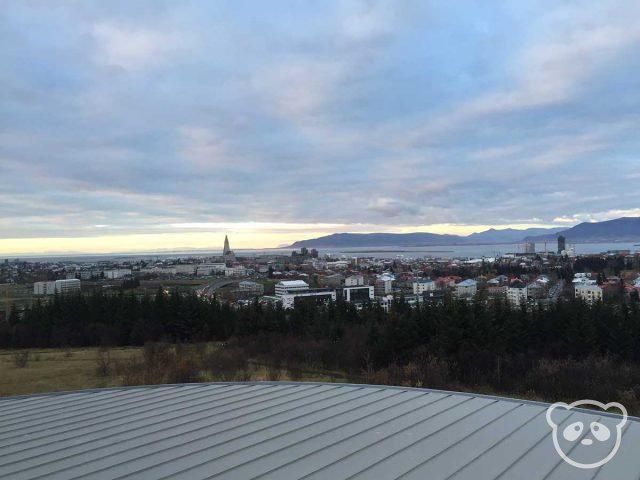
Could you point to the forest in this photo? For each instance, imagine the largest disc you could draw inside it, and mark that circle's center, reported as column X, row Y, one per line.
column 568, row 350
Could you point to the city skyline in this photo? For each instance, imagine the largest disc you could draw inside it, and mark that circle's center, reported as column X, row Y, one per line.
column 163, row 125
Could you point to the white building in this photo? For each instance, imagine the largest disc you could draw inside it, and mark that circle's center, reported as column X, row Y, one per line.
column 422, row 285
column 86, row 274
column 354, row 281
column 116, row 273
column 290, row 286
column 206, row 269
column 338, row 264
column 250, row 288
column 59, row 286
column 589, row 293
column 67, row 286
column 517, row 295
column 238, row 271
column 317, row 296
column 466, row 288
column 44, row 288
column 185, row 268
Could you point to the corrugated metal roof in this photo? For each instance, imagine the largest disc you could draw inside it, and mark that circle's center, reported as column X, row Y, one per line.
column 292, row 430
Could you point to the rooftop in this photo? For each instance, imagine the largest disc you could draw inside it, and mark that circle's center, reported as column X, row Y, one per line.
column 291, row 430
column 293, row 283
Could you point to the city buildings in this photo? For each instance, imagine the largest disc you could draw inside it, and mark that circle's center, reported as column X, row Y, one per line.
column 521, row 279
column 354, row 281
column 583, row 279
column 116, row 273
column 57, row 286
column 235, row 271
column 207, row 269
column 334, row 280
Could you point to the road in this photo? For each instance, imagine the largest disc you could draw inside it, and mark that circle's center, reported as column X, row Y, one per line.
column 556, row 290
column 210, row 288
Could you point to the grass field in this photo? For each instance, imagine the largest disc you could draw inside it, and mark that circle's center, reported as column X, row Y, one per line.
column 49, row 370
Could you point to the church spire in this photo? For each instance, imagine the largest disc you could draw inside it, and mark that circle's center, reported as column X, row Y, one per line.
column 227, row 253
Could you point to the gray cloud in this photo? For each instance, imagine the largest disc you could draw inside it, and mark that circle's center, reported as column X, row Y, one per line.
column 141, row 115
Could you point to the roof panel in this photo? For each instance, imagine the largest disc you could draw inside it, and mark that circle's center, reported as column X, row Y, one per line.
column 282, row 430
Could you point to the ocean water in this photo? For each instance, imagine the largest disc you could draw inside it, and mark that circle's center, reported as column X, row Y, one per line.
column 473, row 251
column 447, row 251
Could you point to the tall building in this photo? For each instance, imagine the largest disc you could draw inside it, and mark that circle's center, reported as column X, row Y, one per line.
column 562, row 244
column 530, row 247
column 227, row 253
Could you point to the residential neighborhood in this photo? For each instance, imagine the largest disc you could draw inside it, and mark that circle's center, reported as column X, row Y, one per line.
column 522, row 279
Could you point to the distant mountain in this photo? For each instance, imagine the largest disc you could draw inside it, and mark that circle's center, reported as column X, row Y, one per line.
column 625, row 229
column 419, row 239
column 342, row 240
column 509, row 235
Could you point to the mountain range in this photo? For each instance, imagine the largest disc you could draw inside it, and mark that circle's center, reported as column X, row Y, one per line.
column 625, row 229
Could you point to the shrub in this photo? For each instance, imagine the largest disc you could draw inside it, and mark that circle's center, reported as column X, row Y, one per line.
column 21, row 358
column 103, row 362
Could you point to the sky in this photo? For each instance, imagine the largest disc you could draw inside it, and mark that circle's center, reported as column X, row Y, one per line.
column 145, row 125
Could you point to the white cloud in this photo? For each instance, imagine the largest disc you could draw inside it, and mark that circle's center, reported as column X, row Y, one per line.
column 204, row 148
column 299, row 89
column 551, row 71
column 392, row 207
column 597, row 216
column 366, row 20
column 133, row 48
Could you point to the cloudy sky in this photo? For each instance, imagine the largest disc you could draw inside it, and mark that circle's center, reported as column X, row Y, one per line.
column 133, row 125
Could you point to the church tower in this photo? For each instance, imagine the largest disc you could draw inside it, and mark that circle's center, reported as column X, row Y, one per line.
column 227, row 253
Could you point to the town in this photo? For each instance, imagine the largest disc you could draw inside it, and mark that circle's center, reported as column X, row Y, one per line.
column 522, row 279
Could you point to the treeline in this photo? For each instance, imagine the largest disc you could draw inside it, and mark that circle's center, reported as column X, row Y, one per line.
column 564, row 351
column 451, row 328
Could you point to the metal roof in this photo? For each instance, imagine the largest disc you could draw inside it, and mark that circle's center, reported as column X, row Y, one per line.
column 293, row 283
column 292, row 430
